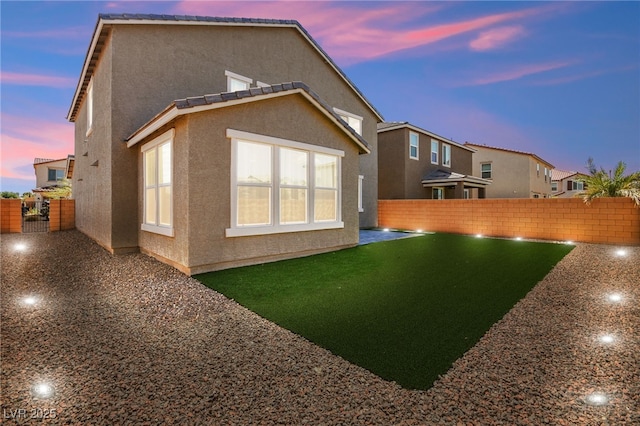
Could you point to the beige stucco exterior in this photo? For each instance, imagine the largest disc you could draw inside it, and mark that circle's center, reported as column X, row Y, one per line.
column 42, row 171
column 513, row 174
column 137, row 69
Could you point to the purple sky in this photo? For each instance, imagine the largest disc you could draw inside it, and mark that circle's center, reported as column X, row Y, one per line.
column 559, row 79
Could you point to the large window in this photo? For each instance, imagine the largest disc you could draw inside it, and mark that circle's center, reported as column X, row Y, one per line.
column 414, row 146
column 486, row 171
column 237, row 82
column 90, row 107
column 354, row 121
column 158, row 184
column 55, row 174
column 282, row 186
column 446, row 155
column 434, row 151
column 438, row 193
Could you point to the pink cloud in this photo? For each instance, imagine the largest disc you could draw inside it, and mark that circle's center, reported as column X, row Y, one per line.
column 590, row 74
column 516, row 73
column 24, row 79
column 352, row 33
column 25, row 138
column 496, row 37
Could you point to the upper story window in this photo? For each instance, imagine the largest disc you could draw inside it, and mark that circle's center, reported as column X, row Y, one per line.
column 446, row 155
column 282, row 186
column 157, row 158
column 90, row 107
column 538, row 169
column 486, row 171
column 237, row 82
column 554, row 186
column 354, row 121
column 414, row 146
column 546, row 173
column 434, row 151
column 55, row 174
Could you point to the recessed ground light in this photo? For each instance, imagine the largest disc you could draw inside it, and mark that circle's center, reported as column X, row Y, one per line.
column 606, row 338
column 42, row 390
column 478, row 235
column 386, row 229
column 569, row 242
column 621, row 253
column 615, row 297
column 20, row 247
column 419, row 231
column 30, row 300
column 597, row 398
column 518, row 238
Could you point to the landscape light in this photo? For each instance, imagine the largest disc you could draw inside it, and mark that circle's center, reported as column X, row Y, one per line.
column 20, row 247
column 419, row 231
column 29, row 300
column 621, row 253
column 518, row 238
column 43, row 390
column 615, row 297
column 606, row 338
column 386, row 229
column 597, row 398
column 569, row 242
column 478, row 235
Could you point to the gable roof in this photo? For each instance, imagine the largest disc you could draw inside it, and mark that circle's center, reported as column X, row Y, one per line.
column 562, row 174
column 101, row 32
column 510, row 150
column 221, row 100
column 442, row 177
column 395, row 125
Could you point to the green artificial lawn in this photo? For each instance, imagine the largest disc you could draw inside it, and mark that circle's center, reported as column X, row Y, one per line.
column 403, row 309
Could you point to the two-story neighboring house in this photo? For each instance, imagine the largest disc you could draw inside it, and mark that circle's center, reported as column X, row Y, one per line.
column 513, row 174
column 217, row 142
column 414, row 163
column 566, row 184
column 49, row 173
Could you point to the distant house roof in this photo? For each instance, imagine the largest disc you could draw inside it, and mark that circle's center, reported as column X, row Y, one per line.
column 101, row 32
column 510, row 150
column 562, row 174
column 443, row 177
column 394, row 125
column 221, row 100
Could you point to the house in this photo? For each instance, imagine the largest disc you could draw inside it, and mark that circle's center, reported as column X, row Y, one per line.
column 566, row 184
column 49, row 173
column 211, row 143
column 513, row 174
column 414, row 163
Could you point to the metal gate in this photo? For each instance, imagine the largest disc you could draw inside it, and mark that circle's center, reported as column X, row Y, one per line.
column 35, row 216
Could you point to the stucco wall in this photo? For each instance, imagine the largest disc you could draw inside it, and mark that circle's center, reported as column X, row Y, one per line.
column 606, row 220
column 510, row 173
column 42, row 171
column 202, row 187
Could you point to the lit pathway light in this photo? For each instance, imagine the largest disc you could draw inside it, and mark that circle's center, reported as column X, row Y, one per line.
column 20, row 247
column 30, row 300
column 607, row 338
column 614, row 297
column 43, row 390
column 478, row 235
column 518, row 238
column 621, row 253
column 386, row 229
column 597, row 398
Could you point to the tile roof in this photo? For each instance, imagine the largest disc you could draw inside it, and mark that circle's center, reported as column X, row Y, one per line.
column 509, row 150
column 98, row 38
column 393, row 125
column 562, row 174
column 204, row 102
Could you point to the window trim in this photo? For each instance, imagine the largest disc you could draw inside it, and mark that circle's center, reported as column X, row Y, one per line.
column 490, row 170
column 51, row 169
column 446, row 148
column 168, row 231
column 232, row 75
column 275, row 227
column 360, row 193
column 90, row 107
column 417, row 146
column 433, row 193
column 348, row 116
column 436, row 152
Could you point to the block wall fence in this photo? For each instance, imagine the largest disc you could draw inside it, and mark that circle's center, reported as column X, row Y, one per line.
column 604, row 221
column 62, row 215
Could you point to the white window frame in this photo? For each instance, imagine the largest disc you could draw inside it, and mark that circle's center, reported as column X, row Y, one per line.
column 446, row 158
column 353, row 120
column 417, row 145
column 231, row 76
column 360, row 199
column 554, row 186
column 275, row 227
column 440, row 191
column 538, row 169
column 167, row 230
column 90, row 107
column 436, row 151
column 466, row 194
column 490, row 170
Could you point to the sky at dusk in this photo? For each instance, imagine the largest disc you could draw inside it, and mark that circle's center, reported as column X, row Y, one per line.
column 558, row 79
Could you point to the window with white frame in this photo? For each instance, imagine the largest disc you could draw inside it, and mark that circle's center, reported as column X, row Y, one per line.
column 466, row 194
column 279, row 185
column 90, row 107
column 438, row 193
column 546, row 172
column 354, row 121
column 538, row 169
column 360, row 199
column 554, row 186
column 157, row 158
column 434, row 151
column 414, row 146
column 486, row 171
column 55, row 174
column 446, row 155
column 237, row 82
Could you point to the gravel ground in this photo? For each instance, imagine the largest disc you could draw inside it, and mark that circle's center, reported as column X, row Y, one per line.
column 128, row 340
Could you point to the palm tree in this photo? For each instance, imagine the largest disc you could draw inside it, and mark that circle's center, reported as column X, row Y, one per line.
column 600, row 184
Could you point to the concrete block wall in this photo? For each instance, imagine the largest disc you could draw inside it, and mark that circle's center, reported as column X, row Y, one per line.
column 10, row 215
column 605, row 221
column 62, row 215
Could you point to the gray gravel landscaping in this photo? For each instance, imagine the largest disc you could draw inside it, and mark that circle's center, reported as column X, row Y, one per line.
column 91, row 338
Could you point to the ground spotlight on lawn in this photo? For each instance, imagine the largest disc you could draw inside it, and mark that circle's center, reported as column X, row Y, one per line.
column 597, row 398
column 419, row 231
column 20, row 247
column 478, row 235
column 518, row 238
column 569, row 243
column 614, row 297
column 42, row 390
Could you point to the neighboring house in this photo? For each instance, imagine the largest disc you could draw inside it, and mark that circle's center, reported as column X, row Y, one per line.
column 567, row 184
column 49, row 173
column 414, row 163
column 513, row 174
column 211, row 143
